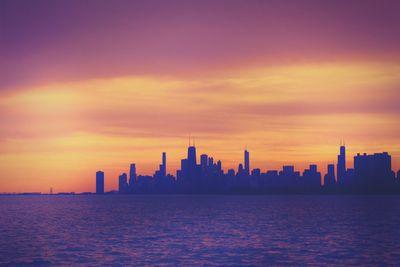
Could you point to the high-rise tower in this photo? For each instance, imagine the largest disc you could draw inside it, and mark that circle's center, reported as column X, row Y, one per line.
column 246, row 162
column 99, row 182
column 123, row 183
column 132, row 175
column 341, row 165
column 163, row 167
column 192, row 156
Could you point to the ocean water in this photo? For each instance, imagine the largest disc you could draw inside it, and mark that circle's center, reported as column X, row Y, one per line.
column 193, row 230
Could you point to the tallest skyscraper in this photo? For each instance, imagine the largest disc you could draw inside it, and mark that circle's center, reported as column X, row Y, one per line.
column 341, row 165
column 192, row 156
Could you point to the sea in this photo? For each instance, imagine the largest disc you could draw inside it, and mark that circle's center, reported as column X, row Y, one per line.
column 199, row 230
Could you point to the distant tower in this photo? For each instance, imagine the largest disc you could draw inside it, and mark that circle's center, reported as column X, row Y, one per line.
column 132, row 175
column 240, row 169
column 329, row 179
column 246, row 162
column 99, row 182
column 164, row 164
column 341, row 165
column 123, row 183
column 192, row 156
column 203, row 161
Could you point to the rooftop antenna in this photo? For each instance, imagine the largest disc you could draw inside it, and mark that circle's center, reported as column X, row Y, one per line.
column 194, row 141
column 189, row 139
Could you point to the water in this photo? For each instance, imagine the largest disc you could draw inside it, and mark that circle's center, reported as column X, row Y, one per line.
column 199, row 230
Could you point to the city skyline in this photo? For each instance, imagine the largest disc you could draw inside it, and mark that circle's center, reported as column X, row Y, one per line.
column 370, row 173
column 101, row 84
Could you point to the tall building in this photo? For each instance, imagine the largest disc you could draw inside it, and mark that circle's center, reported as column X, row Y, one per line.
column 203, row 161
column 312, row 178
column 99, row 182
column 162, row 171
column 373, row 171
column 210, row 161
column 192, row 156
column 246, row 162
column 123, row 183
column 341, row 165
column 240, row 169
column 329, row 179
column 132, row 175
column 164, row 164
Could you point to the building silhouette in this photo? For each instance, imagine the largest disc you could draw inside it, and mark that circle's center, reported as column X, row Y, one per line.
column 99, row 182
column 371, row 174
column 123, row 184
column 311, row 179
column 329, row 178
column 341, row 165
column 246, row 162
column 132, row 176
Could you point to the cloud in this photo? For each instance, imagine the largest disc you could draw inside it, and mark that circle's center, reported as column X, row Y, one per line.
column 283, row 113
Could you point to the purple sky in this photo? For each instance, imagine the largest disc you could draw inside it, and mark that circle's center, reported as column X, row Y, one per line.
column 43, row 41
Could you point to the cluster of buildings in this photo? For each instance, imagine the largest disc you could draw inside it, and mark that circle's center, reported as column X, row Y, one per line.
column 371, row 174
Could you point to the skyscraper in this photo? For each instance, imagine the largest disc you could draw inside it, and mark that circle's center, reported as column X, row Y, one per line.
column 162, row 172
column 99, row 182
column 341, row 165
column 192, row 156
column 123, row 183
column 246, row 162
column 164, row 164
column 203, row 161
column 373, row 171
column 311, row 177
column 132, row 175
column 329, row 179
column 240, row 169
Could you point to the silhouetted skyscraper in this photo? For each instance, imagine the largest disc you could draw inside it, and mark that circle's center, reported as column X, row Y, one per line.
column 163, row 168
column 123, row 183
column 311, row 177
column 329, row 179
column 246, row 162
column 372, row 172
column 210, row 161
column 132, row 175
column 192, row 156
column 203, row 161
column 240, row 169
column 99, row 182
column 341, row 165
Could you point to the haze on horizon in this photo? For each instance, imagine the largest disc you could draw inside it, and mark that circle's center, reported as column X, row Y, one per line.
column 88, row 85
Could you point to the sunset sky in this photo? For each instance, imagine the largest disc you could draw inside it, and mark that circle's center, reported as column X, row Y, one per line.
column 89, row 85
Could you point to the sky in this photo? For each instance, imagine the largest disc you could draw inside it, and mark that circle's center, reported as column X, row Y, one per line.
column 89, row 85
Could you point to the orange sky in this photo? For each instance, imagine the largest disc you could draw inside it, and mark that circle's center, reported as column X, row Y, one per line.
column 100, row 85
column 58, row 135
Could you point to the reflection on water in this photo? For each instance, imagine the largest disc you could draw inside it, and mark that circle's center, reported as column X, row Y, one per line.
column 199, row 230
